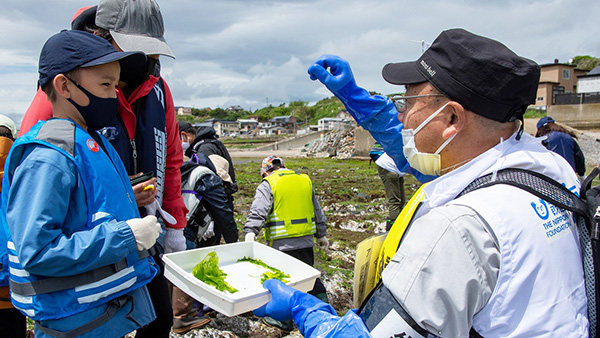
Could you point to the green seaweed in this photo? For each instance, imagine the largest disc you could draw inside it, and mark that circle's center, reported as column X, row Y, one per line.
column 274, row 273
column 208, row 271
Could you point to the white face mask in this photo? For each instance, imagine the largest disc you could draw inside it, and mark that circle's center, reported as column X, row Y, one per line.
column 428, row 164
column 184, row 144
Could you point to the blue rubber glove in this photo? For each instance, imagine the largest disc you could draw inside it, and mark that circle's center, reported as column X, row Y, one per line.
column 335, row 73
column 312, row 317
column 376, row 114
column 280, row 306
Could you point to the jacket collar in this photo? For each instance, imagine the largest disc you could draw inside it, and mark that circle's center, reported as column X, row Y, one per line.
column 126, row 105
column 526, row 153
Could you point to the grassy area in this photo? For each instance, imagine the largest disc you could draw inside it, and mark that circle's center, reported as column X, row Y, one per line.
column 348, row 191
column 334, row 181
column 534, row 114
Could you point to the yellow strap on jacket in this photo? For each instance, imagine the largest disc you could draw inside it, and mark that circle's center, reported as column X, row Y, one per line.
column 293, row 212
column 374, row 253
column 392, row 241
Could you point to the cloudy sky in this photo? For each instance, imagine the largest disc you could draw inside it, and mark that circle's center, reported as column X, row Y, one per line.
column 250, row 52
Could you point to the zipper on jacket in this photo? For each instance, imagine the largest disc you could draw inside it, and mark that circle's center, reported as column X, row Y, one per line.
column 134, row 156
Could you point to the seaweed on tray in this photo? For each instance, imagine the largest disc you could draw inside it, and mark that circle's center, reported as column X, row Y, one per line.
column 273, row 273
column 208, row 271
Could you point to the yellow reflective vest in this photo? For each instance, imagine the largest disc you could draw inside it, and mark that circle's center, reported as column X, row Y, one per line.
column 293, row 212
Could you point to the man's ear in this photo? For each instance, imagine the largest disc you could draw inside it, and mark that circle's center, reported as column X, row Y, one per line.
column 60, row 86
column 455, row 119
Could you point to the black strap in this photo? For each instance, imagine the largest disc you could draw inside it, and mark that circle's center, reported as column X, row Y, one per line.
column 474, row 334
column 587, row 183
column 537, row 184
column 379, row 303
column 67, row 282
column 113, row 306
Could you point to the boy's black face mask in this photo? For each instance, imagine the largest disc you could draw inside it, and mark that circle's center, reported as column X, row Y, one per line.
column 99, row 112
column 135, row 74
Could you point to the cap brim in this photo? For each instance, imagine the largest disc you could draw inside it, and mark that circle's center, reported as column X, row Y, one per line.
column 402, row 73
column 146, row 44
column 116, row 56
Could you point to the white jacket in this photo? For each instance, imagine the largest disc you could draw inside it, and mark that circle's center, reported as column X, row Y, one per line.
column 489, row 259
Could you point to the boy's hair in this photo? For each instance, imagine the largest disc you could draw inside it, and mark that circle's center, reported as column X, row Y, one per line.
column 5, row 132
column 51, row 92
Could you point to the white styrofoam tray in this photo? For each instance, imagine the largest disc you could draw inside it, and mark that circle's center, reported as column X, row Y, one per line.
column 243, row 276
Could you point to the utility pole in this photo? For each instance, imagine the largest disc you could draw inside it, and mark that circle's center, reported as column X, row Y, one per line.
column 424, row 45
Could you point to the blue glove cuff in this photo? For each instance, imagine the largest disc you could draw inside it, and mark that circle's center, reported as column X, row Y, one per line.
column 303, row 305
column 359, row 103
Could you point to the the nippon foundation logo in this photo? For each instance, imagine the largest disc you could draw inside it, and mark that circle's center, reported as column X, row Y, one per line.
column 427, row 68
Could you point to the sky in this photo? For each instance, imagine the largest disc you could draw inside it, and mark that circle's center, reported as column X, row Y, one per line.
column 256, row 52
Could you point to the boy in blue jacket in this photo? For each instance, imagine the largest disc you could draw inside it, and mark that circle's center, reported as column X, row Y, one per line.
column 77, row 246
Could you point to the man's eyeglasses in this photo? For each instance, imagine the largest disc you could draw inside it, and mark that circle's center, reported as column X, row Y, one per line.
column 400, row 101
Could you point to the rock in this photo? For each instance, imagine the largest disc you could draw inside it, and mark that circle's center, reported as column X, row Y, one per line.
column 363, row 197
column 334, row 143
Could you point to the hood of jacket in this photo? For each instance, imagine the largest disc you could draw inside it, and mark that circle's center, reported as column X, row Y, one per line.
column 202, row 133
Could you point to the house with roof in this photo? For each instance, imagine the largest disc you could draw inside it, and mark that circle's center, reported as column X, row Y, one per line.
column 183, row 110
column 556, row 78
column 270, row 131
column 333, row 123
column 590, row 82
column 288, row 123
column 247, row 126
column 227, row 128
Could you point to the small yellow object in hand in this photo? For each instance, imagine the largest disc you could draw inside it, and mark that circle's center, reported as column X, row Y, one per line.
column 149, row 187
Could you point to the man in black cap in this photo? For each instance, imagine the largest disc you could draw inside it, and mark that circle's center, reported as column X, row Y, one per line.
column 477, row 263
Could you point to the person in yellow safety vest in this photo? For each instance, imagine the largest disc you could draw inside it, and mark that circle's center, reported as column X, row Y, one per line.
column 286, row 206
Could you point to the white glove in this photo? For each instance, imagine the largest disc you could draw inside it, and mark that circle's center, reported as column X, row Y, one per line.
column 323, row 243
column 210, row 231
column 174, row 240
column 145, row 231
column 249, row 237
column 151, row 210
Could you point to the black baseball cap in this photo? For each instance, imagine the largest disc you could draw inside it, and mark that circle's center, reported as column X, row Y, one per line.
column 84, row 17
column 481, row 74
column 71, row 49
column 186, row 127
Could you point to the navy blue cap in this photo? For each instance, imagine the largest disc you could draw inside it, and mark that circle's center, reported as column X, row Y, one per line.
column 544, row 121
column 72, row 49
